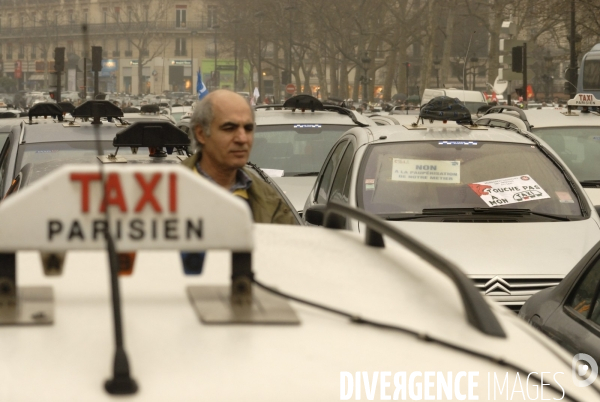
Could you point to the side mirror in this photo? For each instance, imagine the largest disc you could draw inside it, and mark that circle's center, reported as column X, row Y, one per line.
column 315, row 214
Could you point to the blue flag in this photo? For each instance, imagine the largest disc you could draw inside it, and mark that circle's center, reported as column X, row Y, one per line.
column 200, row 87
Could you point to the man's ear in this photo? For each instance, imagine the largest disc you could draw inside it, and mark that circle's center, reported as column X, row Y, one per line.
column 199, row 134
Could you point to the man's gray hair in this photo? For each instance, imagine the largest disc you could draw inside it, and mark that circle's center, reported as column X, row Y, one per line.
column 202, row 116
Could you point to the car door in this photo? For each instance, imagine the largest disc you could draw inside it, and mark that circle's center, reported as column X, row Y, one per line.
column 576, row 325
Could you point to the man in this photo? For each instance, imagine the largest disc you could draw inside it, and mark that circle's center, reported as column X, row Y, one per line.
column 223, row 125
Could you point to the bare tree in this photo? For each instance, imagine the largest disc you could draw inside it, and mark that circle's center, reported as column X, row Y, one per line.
column 143, row 23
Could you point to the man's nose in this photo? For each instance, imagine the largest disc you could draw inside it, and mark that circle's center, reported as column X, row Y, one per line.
column 241, row 135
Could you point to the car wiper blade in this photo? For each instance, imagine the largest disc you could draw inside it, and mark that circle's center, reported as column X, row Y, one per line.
column 307, row 174
column 590, row 183
column 491, row 211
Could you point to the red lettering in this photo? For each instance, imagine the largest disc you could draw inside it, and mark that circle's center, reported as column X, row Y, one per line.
column 85, row 179
column 113, row 193
column 148, row 189
column 172, row 192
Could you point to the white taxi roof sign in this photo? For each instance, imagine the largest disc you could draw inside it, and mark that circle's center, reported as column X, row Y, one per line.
column 150, row 208
column 584, row 100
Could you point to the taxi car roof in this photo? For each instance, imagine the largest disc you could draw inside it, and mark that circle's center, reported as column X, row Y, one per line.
column 269, row 117
column 260, row 356
column 540, row 118
column 450, row 132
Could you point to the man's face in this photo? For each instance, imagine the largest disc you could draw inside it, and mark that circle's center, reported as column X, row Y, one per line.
column 231, row 133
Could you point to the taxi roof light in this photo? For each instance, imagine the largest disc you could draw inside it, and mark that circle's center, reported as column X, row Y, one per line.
column 582, row 100
column 45, row 109
column 97, row 109
column 445, row 108
column 153, row 134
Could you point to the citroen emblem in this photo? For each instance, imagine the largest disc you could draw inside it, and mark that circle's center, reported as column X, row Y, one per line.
column 497, row 284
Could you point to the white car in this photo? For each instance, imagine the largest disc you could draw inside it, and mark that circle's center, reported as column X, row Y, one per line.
column 498, row 203
column 574, row 135
column 359, row 321
column 292, row 140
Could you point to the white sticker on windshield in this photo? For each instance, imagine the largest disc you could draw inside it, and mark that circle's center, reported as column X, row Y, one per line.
column 509, row 190
column 425, row 171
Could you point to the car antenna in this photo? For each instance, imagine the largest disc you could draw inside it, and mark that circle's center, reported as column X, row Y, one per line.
column 121, row 382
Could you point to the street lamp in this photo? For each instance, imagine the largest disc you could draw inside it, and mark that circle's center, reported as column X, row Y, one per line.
column 193, row 33
column 474, row 60
column 365, row 61
column 235, row 21
column 215, row 79
column 259, row 15
column 436, row 65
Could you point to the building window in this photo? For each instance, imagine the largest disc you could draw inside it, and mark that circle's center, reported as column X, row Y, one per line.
column 129, row 14
column 117, row 44
column 9, row 51
column 211, row 16
column 117, row 14
column 70, row 48
column 180, row 47
column 21, row 54
column 33, row 19
column 180, row 16
column 9, row 21
column 70, row 17
column 104, row 16
column 33, row 52
column 84, row 16
column 22, row 20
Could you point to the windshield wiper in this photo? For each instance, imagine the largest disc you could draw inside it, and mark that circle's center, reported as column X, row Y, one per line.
column 590, row 183
column 306, row 174
column 490, row 211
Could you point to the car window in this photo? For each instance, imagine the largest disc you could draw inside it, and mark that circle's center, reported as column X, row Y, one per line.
column 48, row 156
column 337, row 189
column 408, row 177
column 297, row 149
column 4, row 161
column 326, row 178
column 578, row 147
column 585, row 293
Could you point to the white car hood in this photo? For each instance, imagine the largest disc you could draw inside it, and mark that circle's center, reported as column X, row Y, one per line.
column 523, row 248
column 296, row 188
column 594, row 194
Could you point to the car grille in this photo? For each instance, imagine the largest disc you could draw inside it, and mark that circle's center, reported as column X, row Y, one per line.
column 512, row 291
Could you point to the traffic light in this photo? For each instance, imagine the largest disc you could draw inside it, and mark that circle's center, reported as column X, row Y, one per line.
column 517, row 59
column 59, row 59
column 96, row 58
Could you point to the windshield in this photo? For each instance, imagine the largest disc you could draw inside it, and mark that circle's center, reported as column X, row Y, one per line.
column 46, row 157
column 296, row 149
column 578, row 147
column 591, row 75
column 405, row 178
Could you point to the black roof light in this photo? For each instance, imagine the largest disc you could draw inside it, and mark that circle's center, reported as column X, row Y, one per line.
column 303, row 102
column 445, row 108
column 150, row 109
column 45, row 109
column 67, row 107
column 153, row 134
column 96, row 109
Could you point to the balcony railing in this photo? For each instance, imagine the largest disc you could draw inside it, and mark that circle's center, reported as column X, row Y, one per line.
column 101, row 28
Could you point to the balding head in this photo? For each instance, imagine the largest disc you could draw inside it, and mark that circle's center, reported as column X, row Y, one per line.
column 204, row 110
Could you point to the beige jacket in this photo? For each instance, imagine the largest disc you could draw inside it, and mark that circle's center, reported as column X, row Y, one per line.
column 266, row 205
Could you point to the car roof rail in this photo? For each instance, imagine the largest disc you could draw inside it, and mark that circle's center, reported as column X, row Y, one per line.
column 502, row 108
column 96, row 109
column 478, row 312
column 45, row 109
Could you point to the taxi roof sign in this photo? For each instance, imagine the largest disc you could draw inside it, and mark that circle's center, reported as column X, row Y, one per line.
column 584, row 100
column 149, row 208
